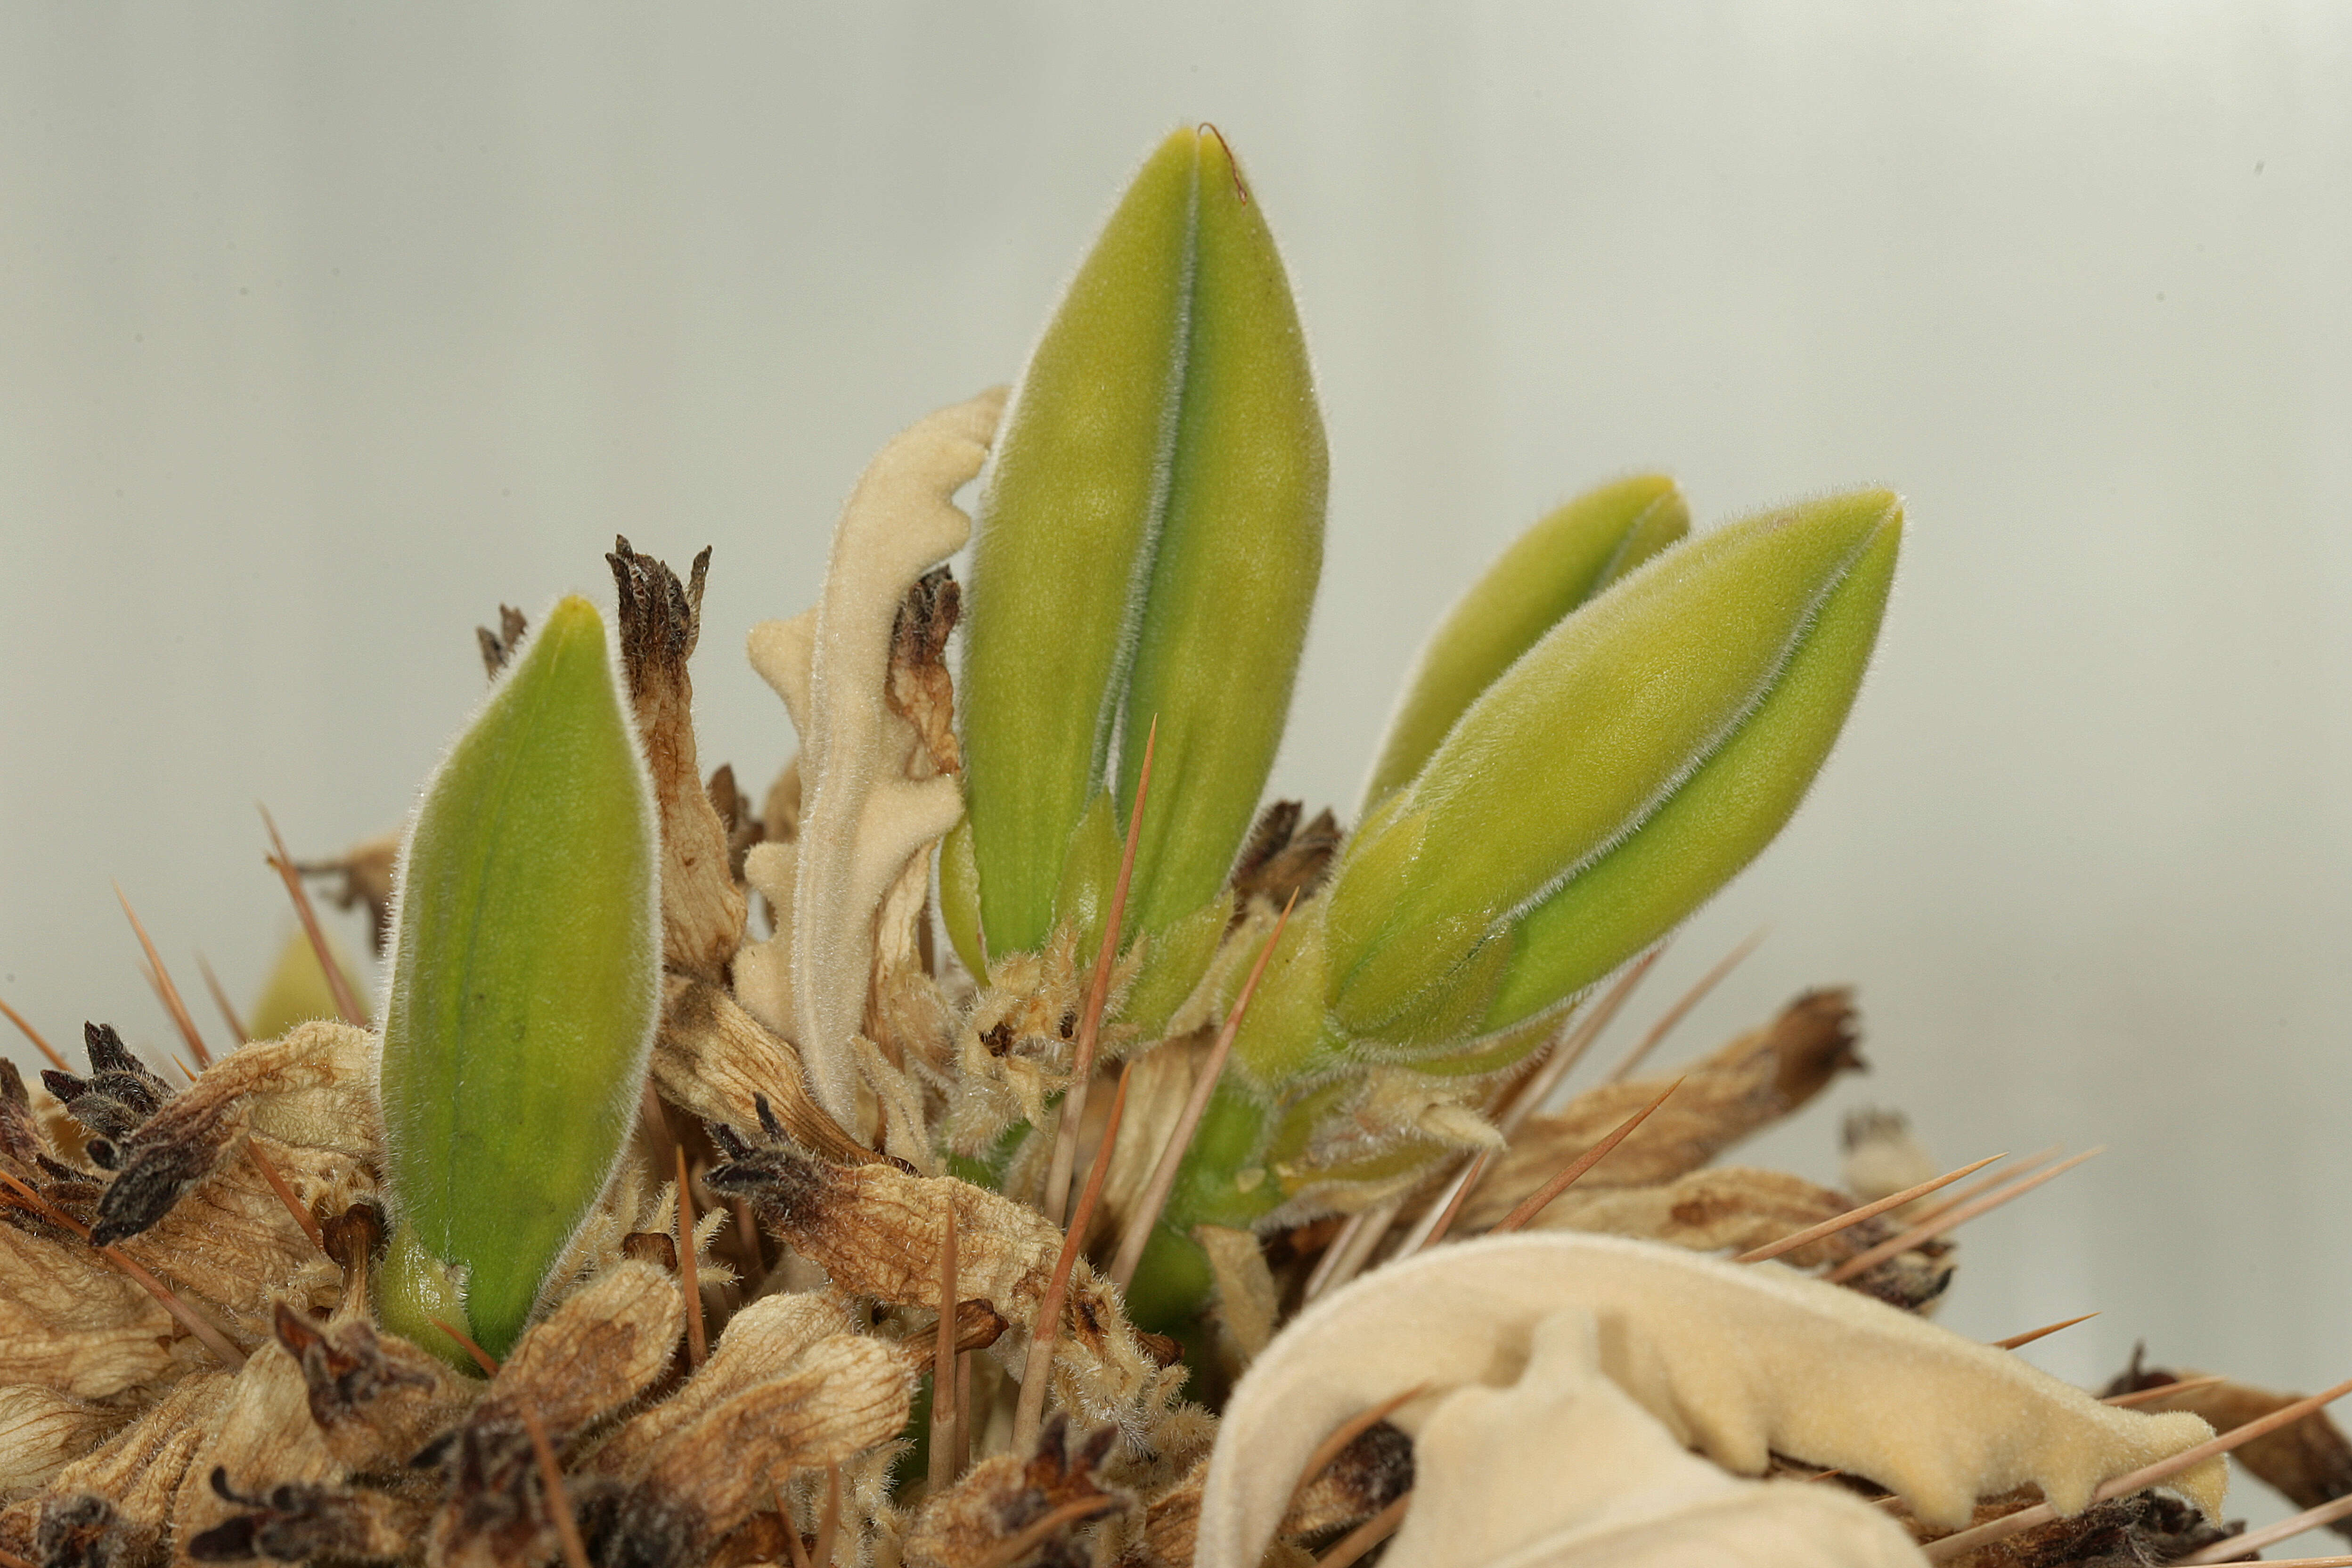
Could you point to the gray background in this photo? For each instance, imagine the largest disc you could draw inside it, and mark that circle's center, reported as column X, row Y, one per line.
column 323, row 329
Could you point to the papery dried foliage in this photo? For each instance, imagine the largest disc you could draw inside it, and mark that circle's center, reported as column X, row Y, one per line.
column 594, row 1353
column 969, row 1525
column 312, row 1090
column 879, row 1231
column 713, row 1058
column 375, row 1398
column 2123, row 1532
column 41, row 1430
column 661, row 620
column 1749, row 1083
column 262, row 1437
column 114, row 1504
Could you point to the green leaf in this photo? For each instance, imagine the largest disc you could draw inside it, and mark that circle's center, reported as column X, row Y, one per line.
column 1585, row 744
column 1240, row 551
column 524, row 981
column 1061, row 548
column 1572, row 554
column 1147, row 548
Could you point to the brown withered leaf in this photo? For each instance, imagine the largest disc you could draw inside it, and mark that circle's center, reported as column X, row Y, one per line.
column 118, row 1096
column 714, row 1058
column 593, row 1354
column 312, row 1088
column 758, row 1343
column 301, row 1522
column 374, row 1399
column 261, row 1436
column 973, row 1521
column 51, row 1282
column 1281, row 859
column 41, row 1430
column 661, row 619
column 2129, row 1532
column 20, row 1129
column 841, row 1395
column 919, row 688
column 1362, row 1479
column 742, row 823
column 111, row 1508
column 2308, row 1462
column 877, row 1231
column 231, row 1242
column 498, row 647
column 1749, row 1083
column 1718, row 1207
column 366, row 870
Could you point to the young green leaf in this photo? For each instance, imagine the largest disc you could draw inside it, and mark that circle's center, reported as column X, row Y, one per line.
column 1572, row 554
column 1148, row 548
column 1682, row 715
column 523, row 994
column 1063, row 543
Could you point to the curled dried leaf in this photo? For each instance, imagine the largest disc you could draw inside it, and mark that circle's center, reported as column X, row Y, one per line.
column 871, row 799
column 1562, row 1467
column 879, row 1231
column 661, row 620
column 1739, row 1361
column 1752, row 1081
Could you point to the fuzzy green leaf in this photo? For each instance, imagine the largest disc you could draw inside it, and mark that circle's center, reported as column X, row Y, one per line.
column 1586, row 743
column 1147, row 547
column 1572, row 554
column 525, row 968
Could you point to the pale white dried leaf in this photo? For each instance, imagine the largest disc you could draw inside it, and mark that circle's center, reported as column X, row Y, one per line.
column 763, row 969
column 864, row 816
column 1562, row 1468
column 1737, row 1361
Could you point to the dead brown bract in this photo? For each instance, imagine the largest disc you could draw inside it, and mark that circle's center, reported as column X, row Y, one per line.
column 1752, row 1082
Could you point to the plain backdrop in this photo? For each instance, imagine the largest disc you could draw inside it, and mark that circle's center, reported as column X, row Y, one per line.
column 325, row 330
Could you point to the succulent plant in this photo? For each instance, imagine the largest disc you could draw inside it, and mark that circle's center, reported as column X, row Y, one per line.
column 609, row 1110
column 1611, row 724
